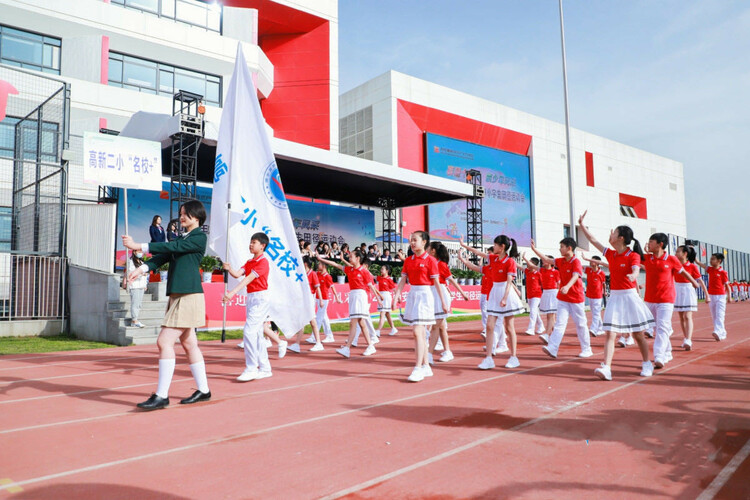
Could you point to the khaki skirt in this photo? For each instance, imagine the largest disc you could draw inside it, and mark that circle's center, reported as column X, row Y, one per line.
column 185, row 310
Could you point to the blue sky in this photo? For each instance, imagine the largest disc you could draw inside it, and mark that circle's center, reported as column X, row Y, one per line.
column 670, row 77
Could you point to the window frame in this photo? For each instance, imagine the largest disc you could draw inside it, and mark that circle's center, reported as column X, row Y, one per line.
column 34, row 37
column 162, row 12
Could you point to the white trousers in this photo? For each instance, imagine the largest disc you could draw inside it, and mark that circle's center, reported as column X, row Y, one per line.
column 718, row 307
column 535, row 319
column 321, row 317
column 596, row 316
column 136, row 299
column 577, row 312
column 370, row 329
column 662, row 312
column 499, row 326
column 483, row 307
column 256, row 353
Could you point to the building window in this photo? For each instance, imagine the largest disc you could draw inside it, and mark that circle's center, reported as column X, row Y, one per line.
column 49, row 142
column 193, row 12
column 157, row 78
column 28, row 50
column 628, row 211
column 5, row 228
column 355, row 134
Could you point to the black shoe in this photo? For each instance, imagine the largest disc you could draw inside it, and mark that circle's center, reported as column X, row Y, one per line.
column 154, row 403
column 196, row 397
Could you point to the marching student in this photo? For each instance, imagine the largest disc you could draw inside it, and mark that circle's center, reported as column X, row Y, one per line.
column 595, row 279
column 421, row 271
column 503, row 301
column 187, row 308
column 501, row 344
column 626, row 339
column 735, row 287
column 626, row 312
column 570, row 300
column 550, row 285
column 255, row 278
column 360, row 280
column 312, row 279
column 661, row 270
column 719, row 291
column 386, row 285
column 686, row 298
column 440, row 252
column 326, row 287
column 533, row 295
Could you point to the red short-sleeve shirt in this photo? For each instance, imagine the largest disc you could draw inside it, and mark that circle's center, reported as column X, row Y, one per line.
column 501, row 268
column 312, row 278
column 444, row 271
column 717, row 278
column 533, row 284
column 595, row 283
column 326, row 281
column 421, row 270
column 550, row 278
column 692, row 269
column 386, row 284
column 358, row 277
column 259, row 267
column 486, row 279
column 567, row 269
column 620, row 265
column 660, row 273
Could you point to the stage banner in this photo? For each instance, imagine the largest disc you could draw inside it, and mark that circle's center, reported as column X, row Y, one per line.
column 110, row 160
column 506, row 177
column 315, row 222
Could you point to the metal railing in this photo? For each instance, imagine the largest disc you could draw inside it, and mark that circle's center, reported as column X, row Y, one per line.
column 31, row 287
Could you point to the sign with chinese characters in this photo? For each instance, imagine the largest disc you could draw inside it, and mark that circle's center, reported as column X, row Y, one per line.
column 316, row 222
column 110, row 160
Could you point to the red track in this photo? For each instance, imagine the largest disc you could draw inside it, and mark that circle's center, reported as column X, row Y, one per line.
column 323, row 426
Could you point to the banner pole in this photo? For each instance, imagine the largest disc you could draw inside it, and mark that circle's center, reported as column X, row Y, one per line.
column 127, row 231
column 226, row 280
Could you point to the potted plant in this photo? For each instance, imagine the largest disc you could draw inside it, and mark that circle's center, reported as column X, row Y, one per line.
column 207, row 265
column 335, row 272
column 396, row 273
column 460, row 275
column 164, row 271
column 477, row 277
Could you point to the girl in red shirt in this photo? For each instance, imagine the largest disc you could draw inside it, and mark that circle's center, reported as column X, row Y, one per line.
column 550, row 285
column 626, row 313
column 386, row 285
column 686, row 298
column 501, row 341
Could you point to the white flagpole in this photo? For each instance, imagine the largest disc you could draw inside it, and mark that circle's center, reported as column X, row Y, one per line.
column 226, row 279
column 125, row 206
column 571, row 196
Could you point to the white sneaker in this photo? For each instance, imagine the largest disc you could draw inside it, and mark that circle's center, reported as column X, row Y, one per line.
column 268, row 342
column 596, row 334
column 241, row 345
column 586, row 353
column 539, row 332
column 344, row 351
column 374, row 339
column 716, row 336
column 377, row 333
column 483, row 334
column 487, row 363
column 603, row 372
column 294, row 348
column 426, row 371
column 549, row 352
column 393, row 331
column 282, row 348
column 328, row 339
column 370, row 350
column 263, row 374
column 630, row 341
column 647, row 369
column 649, row 334
column 439, row 346
column 430, row 358
column 354, row 343
column 317, row 347
column 544, row 338
column 311, row 339
column 499, row 349
column 248, row 375
column 139, row 324
column 416, row 375
column 659, row 363
column 622, row 341
column 687, row 344
column 446, row 356
column 512, row 362
column 530, row 332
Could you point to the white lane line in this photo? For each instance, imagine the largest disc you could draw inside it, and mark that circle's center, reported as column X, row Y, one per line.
column 493, row 436
column 726, row 473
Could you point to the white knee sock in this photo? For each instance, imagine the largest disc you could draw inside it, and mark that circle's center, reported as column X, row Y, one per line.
column 166, row 370
column 199, row 374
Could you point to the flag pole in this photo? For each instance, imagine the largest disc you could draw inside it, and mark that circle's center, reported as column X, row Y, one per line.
column 226, row 279
column 125, row 206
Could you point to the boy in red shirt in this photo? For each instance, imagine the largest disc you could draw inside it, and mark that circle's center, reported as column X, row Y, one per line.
column 720, row 293
column 255, row 272
column 326, row 287
column 533, row 295
column 570, row 299
column 595, row 279
column 312, row 279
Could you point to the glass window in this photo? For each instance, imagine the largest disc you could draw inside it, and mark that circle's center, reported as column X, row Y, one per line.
column 166, row 82
column 199, row 13
column 192, row 82
column 115, row 70
column 5, row 226
column 29, row 50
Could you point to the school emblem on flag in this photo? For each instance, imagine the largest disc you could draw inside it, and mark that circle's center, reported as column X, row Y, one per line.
column 273, row 187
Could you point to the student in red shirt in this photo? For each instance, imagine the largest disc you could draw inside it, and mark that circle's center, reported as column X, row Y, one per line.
column 421, row 270
column 550, row 284
column 626, row 313
column 533, row 295
column 360, row 280
column 255, row 273
column 501, row 344
column 570, row 300
column 312, row 279
column 595, row 280
column 386, row 285
column 720, row 293
column 503, row 302
column 326, row 287
column 661, row 270
column 686, row 299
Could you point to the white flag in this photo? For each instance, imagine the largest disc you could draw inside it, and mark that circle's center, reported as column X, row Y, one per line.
column 246, row 177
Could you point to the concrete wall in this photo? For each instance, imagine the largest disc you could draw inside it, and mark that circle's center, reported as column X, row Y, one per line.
column 32, row 327
column 90, row 291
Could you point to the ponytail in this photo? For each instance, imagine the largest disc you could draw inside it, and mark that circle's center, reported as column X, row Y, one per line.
column 637, row 248
column 511, row 249
column 626, row 233
column 689, row 252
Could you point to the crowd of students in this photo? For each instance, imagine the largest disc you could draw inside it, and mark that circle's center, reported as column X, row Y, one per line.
column 333, row 251
column 556, row 291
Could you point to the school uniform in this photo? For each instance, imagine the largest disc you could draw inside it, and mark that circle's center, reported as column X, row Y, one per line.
column 385, row 287
column 321, row 316
column 550, row 283
column 485, row 292
column 421, row 272
column 595, row 293
column 734, row 287
column 570, row 304
column 686, row 297
column 444, row 273
column 359, row 278
column 660, row 299
column 534, row 297
column 626, row 312
column 256, row 314
column 501, row 270
column 717, row 280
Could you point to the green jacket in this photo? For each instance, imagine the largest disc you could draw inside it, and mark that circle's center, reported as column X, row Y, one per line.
column 184, row 256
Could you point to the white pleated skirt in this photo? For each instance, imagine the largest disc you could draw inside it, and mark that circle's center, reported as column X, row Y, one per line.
column 439, row 314
column 513, row 304
column 548, row 304
column 686, row 298
column 626, row 313
column 420, row 306
column 387, row 302
column 359, row 307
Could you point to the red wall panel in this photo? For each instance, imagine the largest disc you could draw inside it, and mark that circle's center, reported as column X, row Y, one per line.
column 639, row 204
column 589, row 169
